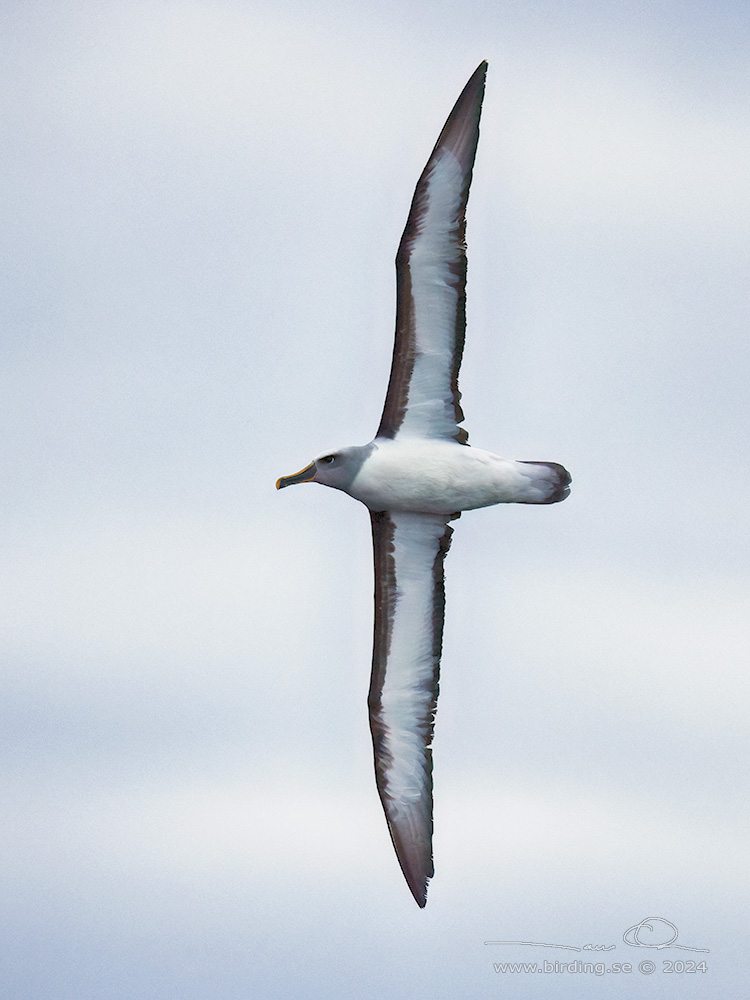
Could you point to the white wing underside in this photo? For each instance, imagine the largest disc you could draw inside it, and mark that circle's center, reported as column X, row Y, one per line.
column 433, row 263
column 423, row 398
column 409, row 604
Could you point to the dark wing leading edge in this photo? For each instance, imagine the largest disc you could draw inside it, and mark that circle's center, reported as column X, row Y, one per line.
column 423, row 397
column 409, row 604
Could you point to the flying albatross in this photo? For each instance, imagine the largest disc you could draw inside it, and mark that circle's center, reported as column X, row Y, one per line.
column 418, row 474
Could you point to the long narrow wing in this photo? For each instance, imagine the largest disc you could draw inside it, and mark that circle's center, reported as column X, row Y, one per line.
column 409, row 551
column 423, row 397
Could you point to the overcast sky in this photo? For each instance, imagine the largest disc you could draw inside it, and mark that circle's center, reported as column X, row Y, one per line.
column 201, row 203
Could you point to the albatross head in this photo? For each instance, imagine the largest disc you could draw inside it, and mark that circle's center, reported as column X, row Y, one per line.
column 337, row 469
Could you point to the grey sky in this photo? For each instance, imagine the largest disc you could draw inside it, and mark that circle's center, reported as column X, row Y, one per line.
column 201, row 207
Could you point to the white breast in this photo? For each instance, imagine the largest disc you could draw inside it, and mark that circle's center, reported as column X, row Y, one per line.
column 440, row 477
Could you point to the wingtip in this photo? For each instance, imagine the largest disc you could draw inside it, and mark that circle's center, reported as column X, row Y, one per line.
column 478, row 78
column 417, row 887
column 417, row 872
column 479, row 74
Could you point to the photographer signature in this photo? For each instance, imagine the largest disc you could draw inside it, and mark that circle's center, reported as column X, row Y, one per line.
column 633, row 936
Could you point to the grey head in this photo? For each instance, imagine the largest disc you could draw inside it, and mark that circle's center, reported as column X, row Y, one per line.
column 337, row 469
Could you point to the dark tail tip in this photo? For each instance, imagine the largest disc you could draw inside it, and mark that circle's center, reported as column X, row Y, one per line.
column 558, row 481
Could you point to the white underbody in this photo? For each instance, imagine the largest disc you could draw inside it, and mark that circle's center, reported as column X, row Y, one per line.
column 444, row 477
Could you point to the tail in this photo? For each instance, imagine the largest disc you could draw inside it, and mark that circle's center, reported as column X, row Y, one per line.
column 550, row 480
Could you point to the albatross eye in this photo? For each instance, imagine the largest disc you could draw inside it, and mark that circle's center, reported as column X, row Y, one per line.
column 327, row 459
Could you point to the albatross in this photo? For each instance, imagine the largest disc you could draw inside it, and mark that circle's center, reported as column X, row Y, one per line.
column 417, row 475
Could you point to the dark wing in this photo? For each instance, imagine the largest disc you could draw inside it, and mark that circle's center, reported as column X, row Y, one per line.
column 409, row 604
column 423, row 397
